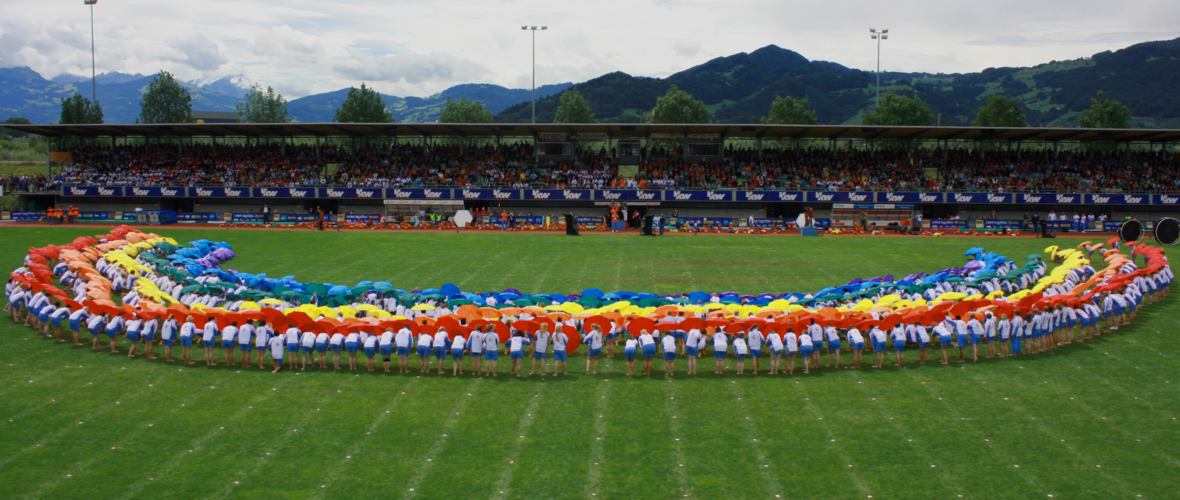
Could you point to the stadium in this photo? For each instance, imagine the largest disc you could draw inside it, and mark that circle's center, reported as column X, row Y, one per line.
column 222, row 307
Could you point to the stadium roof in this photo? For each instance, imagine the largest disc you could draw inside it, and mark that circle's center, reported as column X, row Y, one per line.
column 612, row 130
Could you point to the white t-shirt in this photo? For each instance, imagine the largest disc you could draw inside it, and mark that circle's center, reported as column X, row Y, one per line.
column 559, row 341
column 229, row 333
column 308, row 339
column 646, row 339
column 775, row 341
column 668, row 343
column 276, row 347
column 855, row 337
column 739, row 346
column 720, row 342
column 542, row 344
column 459, row 342
column 792, row 341
column 245, row 333
column 475, row 341
column 210, row 332
column 805, row 340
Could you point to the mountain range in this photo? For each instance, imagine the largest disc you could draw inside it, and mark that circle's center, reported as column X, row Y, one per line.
column 736, row 89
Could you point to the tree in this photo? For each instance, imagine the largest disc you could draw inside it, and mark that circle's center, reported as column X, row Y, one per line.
column 166, row 101
column 1104, row 113
column 263, row 107
column 363, row 105
column 574, row 109
column 791, row 111
column 1000, row 111
column 899, row 110
column 464, row 111
column 14, row 120
column 678, row 106
column 79, row 109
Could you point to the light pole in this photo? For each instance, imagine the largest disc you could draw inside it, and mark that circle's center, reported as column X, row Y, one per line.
column 93, row 78
column 534, row 30
column 883, row 35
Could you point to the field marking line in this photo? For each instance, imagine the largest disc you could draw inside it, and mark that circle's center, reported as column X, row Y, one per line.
column 597, row 449
column 270, row 453
column 811, row 408
column 89, row 417
column 773, row 485
column 359, row 443
column 198, row 443
column 672, row 408
column 504, row 481
column 1028, row 477
column 411, row 489
column 84, row 465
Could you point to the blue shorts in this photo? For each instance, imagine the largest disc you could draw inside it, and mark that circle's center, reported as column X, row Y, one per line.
column 76, row 326
column 719, row 354
column 899, row 345
column 679, row 335
column 740, row 356
column 423, row 351
column 133, row 336
column 57, row 321
column 321, row 346
column 833, row 345
column 611, row 336
column 293, row 347
column 560, row 355
column 278, row 360
column 228, row 344
column 974, row 338
column 336, row 347
column 878, row 346
column 649, row 351
column 817, row 345
column 457, row 354
column 540, row 355
column 166, row 342
column 516, row 355
column 1015, row 345
column 43, row 317
column 691, row 351
column 858, row 346
column 186, row 341
column 440, row 352
column 776, row 352
column 962, row 341
column 371, row 351
column 669, row 356
column 306, row 349
column 246, row 346
column 594, row 353
column 352, row 346
column 629, row 353
column 755, row 353
column 387, row 350
column 491, row 355
column 924, row 344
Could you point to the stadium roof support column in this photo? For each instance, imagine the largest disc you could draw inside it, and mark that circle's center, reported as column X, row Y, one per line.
column 48, row 155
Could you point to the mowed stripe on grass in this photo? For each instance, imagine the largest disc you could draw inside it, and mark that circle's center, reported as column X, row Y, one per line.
column 901, row 439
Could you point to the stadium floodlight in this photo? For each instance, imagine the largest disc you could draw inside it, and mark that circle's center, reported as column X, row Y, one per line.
column 883, row 35
column 534, row 29
column 93, row 77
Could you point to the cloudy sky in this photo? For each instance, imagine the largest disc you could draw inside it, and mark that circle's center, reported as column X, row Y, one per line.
column 411, row 47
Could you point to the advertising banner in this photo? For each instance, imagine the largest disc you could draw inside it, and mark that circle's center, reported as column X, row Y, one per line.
column 284, row 192
column 360, row 193
column 839, row 197
column 626, row 195
column 92, row 191
column 218, row 192
column 417, row 194
column 770, row 196
column 883, row 197
column 488, row 194
column 558, row 194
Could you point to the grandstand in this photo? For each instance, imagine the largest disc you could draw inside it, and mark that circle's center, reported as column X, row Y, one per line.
column 731, row 172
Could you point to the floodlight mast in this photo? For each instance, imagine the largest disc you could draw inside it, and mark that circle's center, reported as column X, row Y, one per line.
column 534, row 93
column 883, row 35
column 93, row 77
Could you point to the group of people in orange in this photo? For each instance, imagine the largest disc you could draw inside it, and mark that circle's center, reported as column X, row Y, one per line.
column 60, row 215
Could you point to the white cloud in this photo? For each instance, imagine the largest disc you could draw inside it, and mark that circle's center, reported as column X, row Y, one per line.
column 419, row 47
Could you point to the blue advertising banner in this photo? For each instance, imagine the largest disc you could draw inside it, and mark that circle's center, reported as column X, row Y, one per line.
column 267, row 192
column 1165, row 199
column 93, row 215
column 1059, row 199
column 558, row 194
column 92, row 191
column 1111, row 226
column 219, row 192
column 248, row 218
column 1002, row 224
column 593, row 221
column 1117, row 199
column 198, row 216
column 155, row 191
column 775, row 223
column 698, row 195
column 839, row 197
column 27, row 216
column 296, row 218
column 488, row 194
column 979, row 197
column 362, row 218
column 363, row 193
column 418, row 194
column 948, row 224
column 883, row 197
column 770, row 196
column 627, row 195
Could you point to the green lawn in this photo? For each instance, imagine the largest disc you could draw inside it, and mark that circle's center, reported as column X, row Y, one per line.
column 1089, row 421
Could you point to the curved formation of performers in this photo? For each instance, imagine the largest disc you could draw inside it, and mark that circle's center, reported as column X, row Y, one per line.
column 171, row 295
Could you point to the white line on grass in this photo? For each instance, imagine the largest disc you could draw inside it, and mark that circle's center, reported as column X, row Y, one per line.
column 504, row 481
column 857, row 481
column 411, row 489
column 196, row 445
column 773, row 485
column 597, row 448
column 681, row 468
column 69, row 427
column 270, row 452
column 361, row 441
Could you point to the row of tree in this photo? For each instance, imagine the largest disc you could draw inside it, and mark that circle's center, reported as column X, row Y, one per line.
column 167, row 101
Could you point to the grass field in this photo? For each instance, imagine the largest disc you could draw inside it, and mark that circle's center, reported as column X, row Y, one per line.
column 1088, row 421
